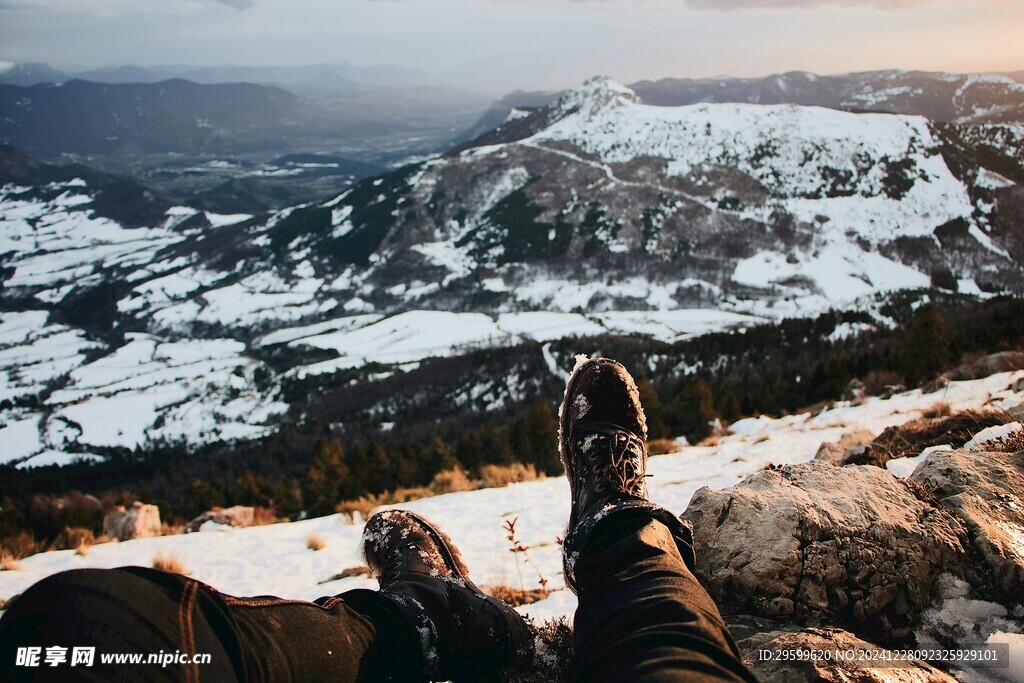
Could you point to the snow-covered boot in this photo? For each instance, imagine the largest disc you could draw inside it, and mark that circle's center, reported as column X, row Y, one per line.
column 603, row 444
column 466, row 634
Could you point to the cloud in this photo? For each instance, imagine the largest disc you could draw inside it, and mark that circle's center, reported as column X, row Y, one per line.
column 727, row 5
column 237, row 4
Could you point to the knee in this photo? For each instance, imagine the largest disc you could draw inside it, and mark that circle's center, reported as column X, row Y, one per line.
column 58, row 593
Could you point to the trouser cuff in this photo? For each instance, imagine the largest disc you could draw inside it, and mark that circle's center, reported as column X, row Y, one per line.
column 577, row 540
column 400, row 619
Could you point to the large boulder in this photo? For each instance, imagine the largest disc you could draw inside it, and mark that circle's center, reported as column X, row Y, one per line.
column 1005, row 361
column 818, row 655
column 985, row 490
column 238, row 515
column 848, row 546
column 137, row 521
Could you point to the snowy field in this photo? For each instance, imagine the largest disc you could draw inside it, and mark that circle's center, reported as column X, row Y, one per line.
column 274, row 559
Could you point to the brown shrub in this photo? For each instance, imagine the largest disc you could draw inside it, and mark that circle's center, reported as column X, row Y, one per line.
column 22, row 544
column 663, row 446
column 170, row 529
column 1008, row 443
column 8, row 562
column 913, row 437
column 452, row 481
column 516, row 596
column 497, row 476
column 76, row 538
column 314, row 542
column 937, row 410
column 363, row 506
column 169, row 563
column 405, row 495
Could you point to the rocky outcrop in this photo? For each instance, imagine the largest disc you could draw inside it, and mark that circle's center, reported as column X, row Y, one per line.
column 985, row 490
column 837, row 452
column 137, row 521
column 847, row 546
column 1006, row 361
column 239, row 516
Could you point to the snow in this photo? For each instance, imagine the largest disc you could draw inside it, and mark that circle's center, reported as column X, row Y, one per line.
column 248, row 561
column 904, row 467
column 417, row 335
column 840, row 271
column 195, row 391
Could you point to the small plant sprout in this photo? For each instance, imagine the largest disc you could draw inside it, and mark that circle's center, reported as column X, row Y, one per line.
column 518, row 548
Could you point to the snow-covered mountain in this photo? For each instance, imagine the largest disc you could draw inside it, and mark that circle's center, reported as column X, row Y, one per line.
column 131, row 321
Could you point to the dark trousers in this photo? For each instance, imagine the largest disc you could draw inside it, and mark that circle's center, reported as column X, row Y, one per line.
column 642, row 617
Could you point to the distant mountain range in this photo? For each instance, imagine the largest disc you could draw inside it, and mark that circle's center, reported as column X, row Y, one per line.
column 338, row 77
column 594, row 214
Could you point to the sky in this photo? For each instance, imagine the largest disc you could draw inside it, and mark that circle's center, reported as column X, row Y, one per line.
column 497, row 45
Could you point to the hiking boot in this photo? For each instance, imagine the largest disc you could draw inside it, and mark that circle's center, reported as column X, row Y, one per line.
column 474, row 636
column 603, row 445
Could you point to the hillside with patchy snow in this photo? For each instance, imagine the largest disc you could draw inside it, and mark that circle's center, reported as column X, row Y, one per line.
column 127, row 321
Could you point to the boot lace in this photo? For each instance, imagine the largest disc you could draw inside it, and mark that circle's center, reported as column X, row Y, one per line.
column 615, row 459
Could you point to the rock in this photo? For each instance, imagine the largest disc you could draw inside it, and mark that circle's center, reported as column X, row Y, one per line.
column 1016, row 413
column 760, row 652
column 852, row 546
column 835, row 451
column 1006, row 361
column 138, row 521
column 985, row 490
column 239, row 515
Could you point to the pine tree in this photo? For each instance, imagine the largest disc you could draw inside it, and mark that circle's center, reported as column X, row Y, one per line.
column 695, row 410
column 534, row 438
column 439, row 459
column 728, row 406
column 656, row 427
column 925, row 345
column 327, row 477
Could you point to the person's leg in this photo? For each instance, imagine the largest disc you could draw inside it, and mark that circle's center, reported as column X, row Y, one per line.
column 642, row 614
column 357, row 636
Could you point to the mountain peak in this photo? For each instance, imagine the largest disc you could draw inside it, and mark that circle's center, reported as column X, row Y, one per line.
column 594, row 95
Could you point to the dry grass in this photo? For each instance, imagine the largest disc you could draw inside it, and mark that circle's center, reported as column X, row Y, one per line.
column 362, row 506
column 314, row 542
column 663, row 446
column 21, row 545
column 169, row 563
column 8, row 562
column 554, row 651
column 452, row 481
column 497, row 476
column 915, row 436
column 516, row 596
column 937, row 410
column 170, row 529
column 78, row 539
